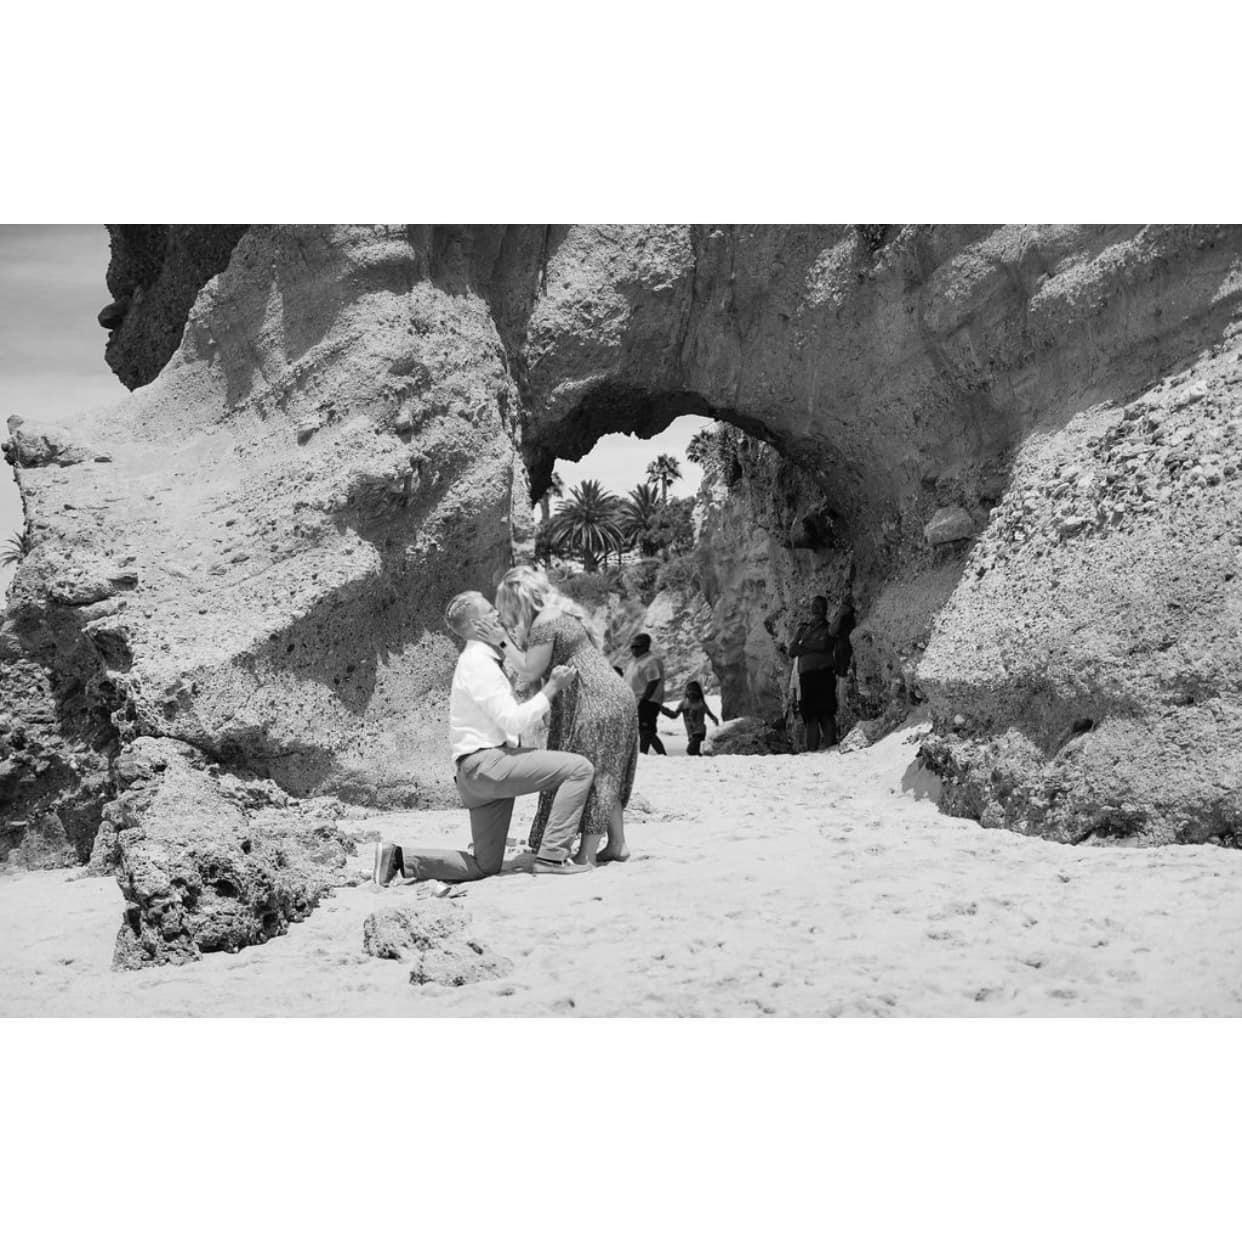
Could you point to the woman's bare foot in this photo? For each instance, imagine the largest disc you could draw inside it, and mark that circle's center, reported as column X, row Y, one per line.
column 588, row 847
column 616, row 850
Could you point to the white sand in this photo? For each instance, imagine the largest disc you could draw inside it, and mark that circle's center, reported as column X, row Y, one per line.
column 804, row 885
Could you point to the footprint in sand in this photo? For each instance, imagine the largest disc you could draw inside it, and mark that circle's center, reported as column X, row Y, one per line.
column 987, row 994
column 955, row 909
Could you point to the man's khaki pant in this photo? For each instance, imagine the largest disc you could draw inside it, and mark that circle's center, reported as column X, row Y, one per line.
column 487, row 782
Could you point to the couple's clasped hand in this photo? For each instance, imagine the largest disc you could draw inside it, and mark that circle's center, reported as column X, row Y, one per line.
column 558, row 679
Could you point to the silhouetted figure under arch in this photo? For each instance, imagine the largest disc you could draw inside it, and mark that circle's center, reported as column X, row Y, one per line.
column 814, row 646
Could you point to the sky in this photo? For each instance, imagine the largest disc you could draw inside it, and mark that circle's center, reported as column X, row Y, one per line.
column 620, row 462
column 52, row 359
column 51, row 346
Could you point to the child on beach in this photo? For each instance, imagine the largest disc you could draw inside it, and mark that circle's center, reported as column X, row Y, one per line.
column 693, row 708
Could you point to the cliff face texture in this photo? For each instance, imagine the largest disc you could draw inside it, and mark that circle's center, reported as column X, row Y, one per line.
column 1086, row 670
column 991, row 435
column 154, row 275
column 259, row 566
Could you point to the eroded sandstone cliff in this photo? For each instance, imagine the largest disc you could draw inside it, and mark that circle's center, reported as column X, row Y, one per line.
column 1086, row 670
column 251, row 553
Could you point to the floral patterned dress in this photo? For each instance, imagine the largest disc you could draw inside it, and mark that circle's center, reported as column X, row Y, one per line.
column 593, row 716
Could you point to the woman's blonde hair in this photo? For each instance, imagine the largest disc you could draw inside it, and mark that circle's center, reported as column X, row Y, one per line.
column 524, row 592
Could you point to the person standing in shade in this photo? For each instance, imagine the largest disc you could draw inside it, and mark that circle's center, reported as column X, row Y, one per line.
column 814, row 645
column 645, row 674
column 490, row 766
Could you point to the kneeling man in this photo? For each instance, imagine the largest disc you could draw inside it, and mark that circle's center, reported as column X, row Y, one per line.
column 491, row 767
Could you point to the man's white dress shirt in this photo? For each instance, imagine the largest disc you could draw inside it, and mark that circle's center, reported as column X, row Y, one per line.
column 483, row 711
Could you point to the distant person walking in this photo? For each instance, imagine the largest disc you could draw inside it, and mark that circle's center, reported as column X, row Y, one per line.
column 645, row 674
column 814, row 645
column 694, row 711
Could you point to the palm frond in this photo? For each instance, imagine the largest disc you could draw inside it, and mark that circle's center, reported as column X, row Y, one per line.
column 15, row 548
column 663, row 471
column 589, row 523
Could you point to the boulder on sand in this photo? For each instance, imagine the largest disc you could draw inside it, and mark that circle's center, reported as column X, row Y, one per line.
column 436, row 940
column 748, row 735
column 948, row 525
column 201, row 868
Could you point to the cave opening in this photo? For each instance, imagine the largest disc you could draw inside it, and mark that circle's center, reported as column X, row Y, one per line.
column 722, row 536
column 621, row 462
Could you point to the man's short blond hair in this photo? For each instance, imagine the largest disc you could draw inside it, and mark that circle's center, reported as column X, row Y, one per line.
column 462, row 609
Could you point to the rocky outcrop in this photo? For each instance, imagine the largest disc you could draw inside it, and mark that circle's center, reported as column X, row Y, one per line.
column 867, row 732
column 56, row 745
column 260, row 569
column 155, row 273
column 436, row 940
column 345, row 434
column 948, row 525
column 676, row 616
column 749, row 735
column 208, row 865
column 679, row 622
column 1098, row 695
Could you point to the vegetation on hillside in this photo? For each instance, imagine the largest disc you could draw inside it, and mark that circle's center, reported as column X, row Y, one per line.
column 14, row 548
column 588, row 525
column 664, row 470
column 592, row 524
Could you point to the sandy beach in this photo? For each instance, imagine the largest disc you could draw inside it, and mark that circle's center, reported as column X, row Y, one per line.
column 797, row 886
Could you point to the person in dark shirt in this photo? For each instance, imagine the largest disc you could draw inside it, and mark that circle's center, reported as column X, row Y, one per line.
column 645, row 674
column 814, row 646
column 694, row 711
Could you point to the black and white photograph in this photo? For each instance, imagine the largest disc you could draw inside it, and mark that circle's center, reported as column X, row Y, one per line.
column 567, row 718
column 627, row 621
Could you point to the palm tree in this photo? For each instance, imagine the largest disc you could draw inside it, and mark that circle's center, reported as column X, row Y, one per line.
column 701, row 445
column 638, row 511
column 547, row 544
column 664, row 470
column 14, row 548
column 555, row 488
column 589, row 523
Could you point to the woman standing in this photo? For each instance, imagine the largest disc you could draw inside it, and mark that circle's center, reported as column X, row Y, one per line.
column 593, row 715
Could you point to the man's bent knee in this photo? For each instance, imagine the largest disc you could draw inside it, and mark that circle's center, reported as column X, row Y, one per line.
column 571, row 766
